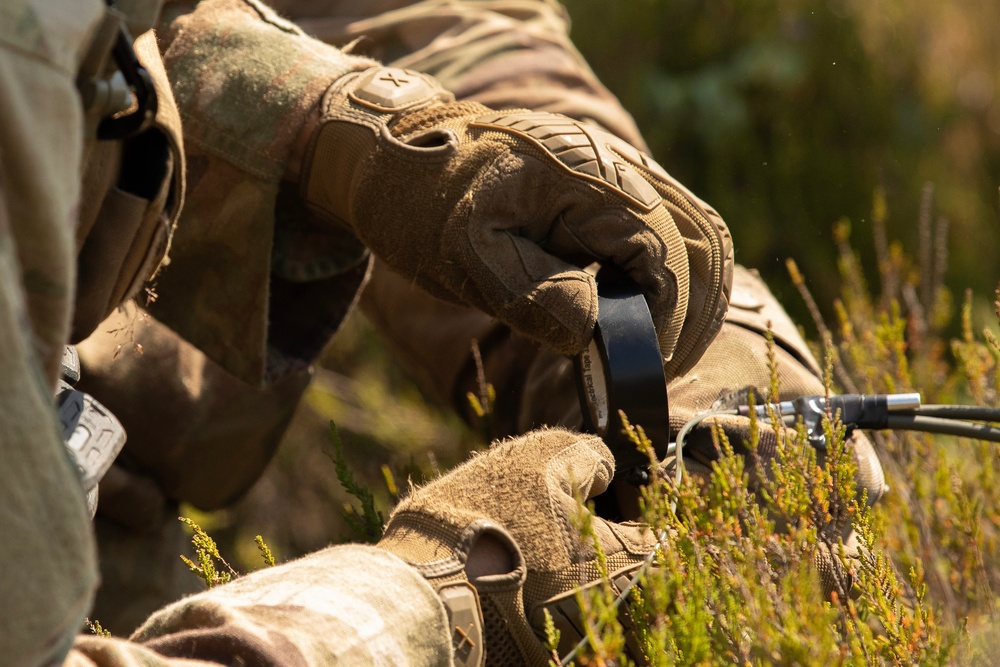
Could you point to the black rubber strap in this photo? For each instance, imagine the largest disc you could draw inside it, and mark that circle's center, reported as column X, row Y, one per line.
column 623, row 370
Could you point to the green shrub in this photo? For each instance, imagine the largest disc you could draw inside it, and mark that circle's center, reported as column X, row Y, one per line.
column 729, row 588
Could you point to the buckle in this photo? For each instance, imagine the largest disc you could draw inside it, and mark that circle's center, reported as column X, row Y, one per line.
column 140, row 85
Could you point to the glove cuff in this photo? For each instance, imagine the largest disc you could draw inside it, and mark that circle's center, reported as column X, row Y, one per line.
column 439, row 551
column 356, row 112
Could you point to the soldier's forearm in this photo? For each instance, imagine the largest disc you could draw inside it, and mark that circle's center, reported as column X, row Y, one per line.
column 49, row 573
column 503, row 53
column 246, row 82
column 345, row 605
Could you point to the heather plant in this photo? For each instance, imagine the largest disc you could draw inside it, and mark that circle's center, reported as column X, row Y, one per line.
column 941, row 520
column 781, row 113
column 735, row 579
column 364, row 520
column 95, row 627
column 209, row 565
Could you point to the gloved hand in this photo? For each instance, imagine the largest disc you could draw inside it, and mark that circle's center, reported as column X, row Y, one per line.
column 504, row 525
column 489, row 208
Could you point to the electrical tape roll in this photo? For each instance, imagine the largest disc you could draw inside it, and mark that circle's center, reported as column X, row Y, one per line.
column 622, row 369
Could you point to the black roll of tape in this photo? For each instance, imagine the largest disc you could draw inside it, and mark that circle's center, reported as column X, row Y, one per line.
column 622, row 369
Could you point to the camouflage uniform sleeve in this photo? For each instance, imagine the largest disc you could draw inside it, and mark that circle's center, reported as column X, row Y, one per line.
column 252, row 281
column 49, row 574
column 345, row 605
column 503, row 53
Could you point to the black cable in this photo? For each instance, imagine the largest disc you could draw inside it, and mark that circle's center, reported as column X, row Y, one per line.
column 957, row 420
column 904, row 422
column 966, row 412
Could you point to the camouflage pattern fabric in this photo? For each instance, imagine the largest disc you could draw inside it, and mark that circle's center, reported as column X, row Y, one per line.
column 133, row 191
column 49, row 573
column 284, row 283
column 246, row 82
column 49, row 590
column 345, row 605
column 523, row 495
column 503, row 53
column 251, row 289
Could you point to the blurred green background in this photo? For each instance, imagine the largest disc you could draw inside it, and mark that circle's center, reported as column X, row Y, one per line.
column 786, row 115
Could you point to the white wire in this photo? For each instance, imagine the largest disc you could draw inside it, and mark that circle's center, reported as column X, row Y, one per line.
column 621, row 596
column 682, row 435
column 676, row 448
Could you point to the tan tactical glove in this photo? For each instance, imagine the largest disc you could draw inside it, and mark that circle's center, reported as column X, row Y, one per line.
column 489, row 208
column 520, row 495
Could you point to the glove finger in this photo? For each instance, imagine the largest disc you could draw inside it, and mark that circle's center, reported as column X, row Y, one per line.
column 693, row 233
column 534, row 292
column 645, row 246
column 707, row 247
column 570, row 186
column 870, row 476
column 527, row 286
column 835, row 575
column 585, row 467
column 553, row 460
column 709, row 250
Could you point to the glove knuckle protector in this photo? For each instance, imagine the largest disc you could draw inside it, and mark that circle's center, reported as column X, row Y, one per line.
column 674, row 235
column 355, row 115
column 586, row 151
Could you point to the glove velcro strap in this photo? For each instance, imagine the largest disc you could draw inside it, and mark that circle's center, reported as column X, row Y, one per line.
column 491, row 605
column 355, row 112
column 439, row 550
column 465, row 616
column 340, row 147
column 434, row 547
column 444, row 569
